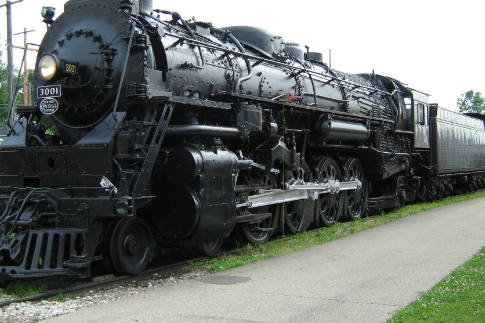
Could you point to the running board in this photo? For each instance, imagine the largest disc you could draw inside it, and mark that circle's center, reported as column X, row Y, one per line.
column 298, row 191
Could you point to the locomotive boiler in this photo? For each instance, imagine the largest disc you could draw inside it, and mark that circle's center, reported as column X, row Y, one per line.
column 173, row 133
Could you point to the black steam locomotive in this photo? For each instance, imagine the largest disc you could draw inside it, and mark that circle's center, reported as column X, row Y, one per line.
column 175, row 133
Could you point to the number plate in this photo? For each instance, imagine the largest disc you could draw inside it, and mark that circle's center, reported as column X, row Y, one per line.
column 70, row 68
column 50, row 91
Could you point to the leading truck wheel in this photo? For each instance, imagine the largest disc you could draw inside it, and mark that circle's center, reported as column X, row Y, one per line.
column 131, row 247
column 257, row 233
column 211, row 247
column 356, row 200
column 261, row 231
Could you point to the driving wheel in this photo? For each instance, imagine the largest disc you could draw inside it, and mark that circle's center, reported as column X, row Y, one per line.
column 328, row 205
column 356, row 200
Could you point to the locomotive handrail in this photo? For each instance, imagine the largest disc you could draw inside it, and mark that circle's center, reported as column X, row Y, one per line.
column 241, row 49
column 152, row 153
column 10, row 108
column 314, row 94
column 324, row 97
column 124, row 68
column 341, row 114
column 350, row 85
column 176, row 16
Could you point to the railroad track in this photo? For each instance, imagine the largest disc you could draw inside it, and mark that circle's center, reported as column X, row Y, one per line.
column 110, row 280
column 100, row 282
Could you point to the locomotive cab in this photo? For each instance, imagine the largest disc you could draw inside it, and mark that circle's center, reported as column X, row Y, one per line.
column 406, row 112
column 403, row 100
column 421, row 119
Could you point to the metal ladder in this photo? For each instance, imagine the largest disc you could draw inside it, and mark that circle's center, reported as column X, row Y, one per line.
column 154, row 148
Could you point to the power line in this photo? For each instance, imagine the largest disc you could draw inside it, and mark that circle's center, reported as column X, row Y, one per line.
column 27, row 99
column 8, row 5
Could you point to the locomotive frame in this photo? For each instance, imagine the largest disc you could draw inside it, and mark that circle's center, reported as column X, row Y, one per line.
column 175, row 133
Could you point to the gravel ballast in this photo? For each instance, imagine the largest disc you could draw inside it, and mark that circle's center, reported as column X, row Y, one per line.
column 36, row 311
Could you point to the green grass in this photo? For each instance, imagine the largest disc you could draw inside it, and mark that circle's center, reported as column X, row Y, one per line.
column 249, row 254
column 61, row 298
column 21, row 289
column 459, row 297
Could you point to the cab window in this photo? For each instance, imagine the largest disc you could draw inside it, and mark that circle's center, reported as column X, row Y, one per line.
column 408, row 103
column 421, row 114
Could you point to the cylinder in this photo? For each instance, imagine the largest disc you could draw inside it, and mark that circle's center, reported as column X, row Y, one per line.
column 343, row 130
column 179, row 212
column 184, row 164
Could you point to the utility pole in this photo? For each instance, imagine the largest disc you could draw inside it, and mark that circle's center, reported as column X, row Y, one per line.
column 9, row 4
column 27, row 99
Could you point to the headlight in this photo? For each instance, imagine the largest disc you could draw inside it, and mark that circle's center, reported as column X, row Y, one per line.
column 47, row 67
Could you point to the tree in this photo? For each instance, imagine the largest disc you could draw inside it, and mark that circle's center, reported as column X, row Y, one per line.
column 3, row 93
column 19, row 92
column 471, row 102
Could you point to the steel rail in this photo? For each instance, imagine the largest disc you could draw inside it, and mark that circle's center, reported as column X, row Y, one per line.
column 76, row 290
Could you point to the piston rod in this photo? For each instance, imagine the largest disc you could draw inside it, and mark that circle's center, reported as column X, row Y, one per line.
column 299, row 191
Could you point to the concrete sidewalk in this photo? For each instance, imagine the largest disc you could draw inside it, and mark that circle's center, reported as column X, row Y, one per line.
column 364, row 277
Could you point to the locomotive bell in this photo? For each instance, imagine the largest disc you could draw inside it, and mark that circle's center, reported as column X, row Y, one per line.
column 314, row 57
column 146, row 5
column 137, row 5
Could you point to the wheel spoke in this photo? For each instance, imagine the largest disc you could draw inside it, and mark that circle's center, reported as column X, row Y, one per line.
column 293, row 213
column 356, row 203
column 261, row 232
column 328, row 205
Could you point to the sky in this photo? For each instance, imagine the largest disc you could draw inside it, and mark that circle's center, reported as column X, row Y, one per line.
column 433, row 46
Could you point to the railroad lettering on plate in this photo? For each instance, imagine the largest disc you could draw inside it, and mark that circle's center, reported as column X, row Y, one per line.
column 49, row 106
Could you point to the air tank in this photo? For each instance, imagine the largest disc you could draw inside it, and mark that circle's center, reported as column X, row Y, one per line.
column 341, row 130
